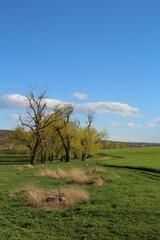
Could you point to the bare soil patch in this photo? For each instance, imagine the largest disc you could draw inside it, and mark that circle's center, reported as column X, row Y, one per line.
column 104, row 158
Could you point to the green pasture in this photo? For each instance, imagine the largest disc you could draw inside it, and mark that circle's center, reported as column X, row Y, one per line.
column 126, row 207
column 141, row 158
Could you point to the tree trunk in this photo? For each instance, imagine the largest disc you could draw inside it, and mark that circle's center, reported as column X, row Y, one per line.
column 34, row 154
column 50, row 158
column 41, row 157
column 75, row 156
column 62, row 158
column 67, row 155
column 84, row 157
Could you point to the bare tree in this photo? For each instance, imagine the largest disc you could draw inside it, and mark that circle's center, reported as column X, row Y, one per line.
column 37, row 120
column 90, row 117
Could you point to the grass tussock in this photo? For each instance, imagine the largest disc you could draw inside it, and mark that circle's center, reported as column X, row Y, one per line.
column 59, row 173
column 75, row 175
column 25, row 167
column 57, row 199
column 79, row 176
column 96, row 181
column 95, row 170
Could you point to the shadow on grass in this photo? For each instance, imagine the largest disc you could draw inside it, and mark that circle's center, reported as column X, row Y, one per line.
column 144, row 169
column 11, row 159
column 152, row 175
column 106, row 155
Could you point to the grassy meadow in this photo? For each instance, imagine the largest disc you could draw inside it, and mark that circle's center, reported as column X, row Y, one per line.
column 125, row 207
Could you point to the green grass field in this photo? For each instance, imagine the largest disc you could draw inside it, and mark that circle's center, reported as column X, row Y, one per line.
column 126, row 207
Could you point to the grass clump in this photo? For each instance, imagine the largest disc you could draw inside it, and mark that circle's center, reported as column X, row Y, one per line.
column 59, row 173
column 75, row 175
column 57, row 199
column 79, row 176
column 25, row 167
column 95, row 170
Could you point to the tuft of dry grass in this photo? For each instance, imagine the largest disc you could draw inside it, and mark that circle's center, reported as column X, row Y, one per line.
column 59, row 173
column 95, row 170
column 96, row 181
column 78, row 175
column 25, row 167
column 57, row 199
column 75, row 175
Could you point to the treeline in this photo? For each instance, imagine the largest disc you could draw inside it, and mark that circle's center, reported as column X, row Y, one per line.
column 105, row 144
column 56, row 134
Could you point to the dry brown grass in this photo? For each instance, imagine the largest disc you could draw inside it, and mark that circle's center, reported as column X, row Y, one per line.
column 25, row 167
column 104, row 158
column 95, row 170
column 59, row 173
column 75, row 175
column 96, row 181
column 79, row 176
column 57, row 199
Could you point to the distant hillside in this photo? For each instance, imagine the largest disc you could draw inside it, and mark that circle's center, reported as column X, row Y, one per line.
column 138, row 144
column 118, row 144
column 4, row 134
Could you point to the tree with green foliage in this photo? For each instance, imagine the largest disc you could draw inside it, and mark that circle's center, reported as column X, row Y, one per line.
column 36, row 113
column 65, row 128
column 90, row 140
column 21, row 140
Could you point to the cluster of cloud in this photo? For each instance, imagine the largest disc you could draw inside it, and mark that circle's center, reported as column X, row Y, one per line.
column 13, row 101
column 130, row 124
column 16, row 101
column 80, row 95
column 109, row 107
column 153, row 123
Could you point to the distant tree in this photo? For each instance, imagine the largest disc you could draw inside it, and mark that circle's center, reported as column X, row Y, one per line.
column 91, row 141
column 21, row 140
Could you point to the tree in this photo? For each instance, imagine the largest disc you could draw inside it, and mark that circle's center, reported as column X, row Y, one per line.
column 22, row 141
column 36, row 114
column 90, row 138
column 65, row 128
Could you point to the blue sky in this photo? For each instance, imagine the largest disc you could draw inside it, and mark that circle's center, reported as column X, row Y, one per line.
column 107, row 50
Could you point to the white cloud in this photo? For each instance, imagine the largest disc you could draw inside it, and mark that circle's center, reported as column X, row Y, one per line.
column 16, row 101
column 133, row 139
column 108, row 107
column 14, row 116
column 130, row 124
column 153, row 123
column 80, row 95
column 13, row 101
column 51, row 103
